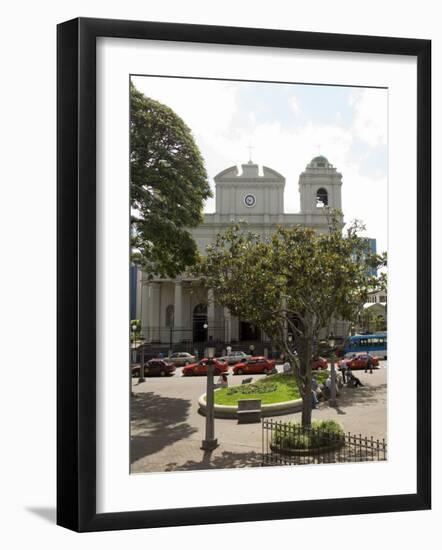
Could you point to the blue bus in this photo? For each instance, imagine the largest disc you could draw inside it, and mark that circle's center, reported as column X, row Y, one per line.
column 375, row 344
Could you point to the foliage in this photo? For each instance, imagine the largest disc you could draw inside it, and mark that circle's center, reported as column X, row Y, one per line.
column 294, row 280
column 135, row 330
column 252, row 388
column 292, row 435
column 135, row 323
column 372, row 322
column 168, row 188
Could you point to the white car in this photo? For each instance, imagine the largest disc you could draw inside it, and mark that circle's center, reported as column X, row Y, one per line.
column 180, row 358
column 235, row 357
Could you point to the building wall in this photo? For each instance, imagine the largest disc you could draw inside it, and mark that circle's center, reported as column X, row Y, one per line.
column 257, row 198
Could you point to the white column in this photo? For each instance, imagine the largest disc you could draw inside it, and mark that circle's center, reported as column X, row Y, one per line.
column 154, row 311
column 139, row 287
column 178, row 334
column 210, row 314
column 227, row 325
column 234, row 328
column 145, row 306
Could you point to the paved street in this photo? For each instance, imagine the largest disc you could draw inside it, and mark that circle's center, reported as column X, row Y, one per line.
column 167, row 429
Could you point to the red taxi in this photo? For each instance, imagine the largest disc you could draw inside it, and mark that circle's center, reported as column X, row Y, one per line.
column 154, row 367
column 358, row 361
column 200, row 368
column 255, row 365
column 319, row 363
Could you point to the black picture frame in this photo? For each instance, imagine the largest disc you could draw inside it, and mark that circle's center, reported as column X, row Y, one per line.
column 76, row 274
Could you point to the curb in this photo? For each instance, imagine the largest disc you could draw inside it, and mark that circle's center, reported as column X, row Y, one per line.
column 273, row 409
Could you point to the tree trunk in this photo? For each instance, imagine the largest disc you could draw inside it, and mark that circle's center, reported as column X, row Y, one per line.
column 306, row 371
column 303, row 376
column 306, row 411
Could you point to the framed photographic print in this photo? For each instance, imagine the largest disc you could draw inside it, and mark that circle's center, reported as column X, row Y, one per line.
column 243, row 274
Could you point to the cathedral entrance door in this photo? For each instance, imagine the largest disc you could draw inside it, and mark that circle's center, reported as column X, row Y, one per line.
column 198, row 322
column 248, row 332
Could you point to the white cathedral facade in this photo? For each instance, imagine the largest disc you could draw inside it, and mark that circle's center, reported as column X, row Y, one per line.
column 176, row 313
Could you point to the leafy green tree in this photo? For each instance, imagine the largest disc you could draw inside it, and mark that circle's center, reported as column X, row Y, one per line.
column 168, row 187
column 295, row 280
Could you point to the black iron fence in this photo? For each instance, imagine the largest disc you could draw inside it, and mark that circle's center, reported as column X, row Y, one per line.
column 290, row 444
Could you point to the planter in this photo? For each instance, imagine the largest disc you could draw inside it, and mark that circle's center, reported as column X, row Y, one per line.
column 272, row 409
column 310, row 451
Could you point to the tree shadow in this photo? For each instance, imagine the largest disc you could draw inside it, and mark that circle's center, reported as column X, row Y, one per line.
column 157, row 422
column 365, row 395
column 227, row 459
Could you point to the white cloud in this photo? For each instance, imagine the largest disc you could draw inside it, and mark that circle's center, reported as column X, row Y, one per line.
column 223, row 133
column 294, row 105
column 204, row 105
column 370, row 115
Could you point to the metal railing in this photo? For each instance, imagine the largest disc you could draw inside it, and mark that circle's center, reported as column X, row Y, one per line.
column 290, row 444
column 165, row 339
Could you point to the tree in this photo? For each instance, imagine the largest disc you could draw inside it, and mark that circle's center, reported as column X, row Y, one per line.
column 168, row 188
column 295, row 280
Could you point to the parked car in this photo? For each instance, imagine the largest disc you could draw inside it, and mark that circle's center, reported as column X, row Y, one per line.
column 200, row 368
column 154, row 367
column 235, row 357
column 358, row 361
column 255, row 365
column 319, row 363
column 181, row 358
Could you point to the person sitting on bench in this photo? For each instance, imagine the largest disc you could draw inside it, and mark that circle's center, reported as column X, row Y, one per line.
column 352, row 380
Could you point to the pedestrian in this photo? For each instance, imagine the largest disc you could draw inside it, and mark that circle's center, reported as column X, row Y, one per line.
column 352, row 380
column 251, row 349
column 327, row 387
column 369, row 364
column 229, row 350
column 223, row 380
column 344, row 368
column 314, row 396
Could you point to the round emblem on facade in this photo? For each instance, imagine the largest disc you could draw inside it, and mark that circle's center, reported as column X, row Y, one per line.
column 249, row 200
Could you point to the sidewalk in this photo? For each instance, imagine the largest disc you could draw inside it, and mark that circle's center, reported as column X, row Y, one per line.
column 167, row 429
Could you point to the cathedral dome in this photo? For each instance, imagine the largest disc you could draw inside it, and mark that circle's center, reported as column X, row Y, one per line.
column 319, row 162
column 320, row 159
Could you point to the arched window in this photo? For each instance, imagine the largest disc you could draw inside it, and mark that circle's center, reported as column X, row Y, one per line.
column 170, row 310
column 321, row 197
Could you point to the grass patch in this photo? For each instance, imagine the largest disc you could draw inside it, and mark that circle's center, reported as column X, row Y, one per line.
column 275, row 388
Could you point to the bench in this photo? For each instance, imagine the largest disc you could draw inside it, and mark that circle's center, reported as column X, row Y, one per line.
column 247, row 380
column 249, row 410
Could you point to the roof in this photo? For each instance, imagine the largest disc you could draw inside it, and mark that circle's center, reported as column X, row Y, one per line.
column 379, row 305
column 320, row 158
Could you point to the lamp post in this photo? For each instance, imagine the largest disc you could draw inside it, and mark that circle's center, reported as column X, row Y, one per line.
column 331, row 343
column 141, row 378
column 134, row 328
column 210, row 442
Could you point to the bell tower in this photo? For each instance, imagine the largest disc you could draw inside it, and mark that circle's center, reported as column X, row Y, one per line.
column 319, row 186
column 249, row 193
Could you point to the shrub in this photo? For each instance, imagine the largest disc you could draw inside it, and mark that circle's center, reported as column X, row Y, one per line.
column 292, row 435
column 252, row 388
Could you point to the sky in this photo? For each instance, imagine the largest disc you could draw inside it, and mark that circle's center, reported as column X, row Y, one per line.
column 286, row 125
